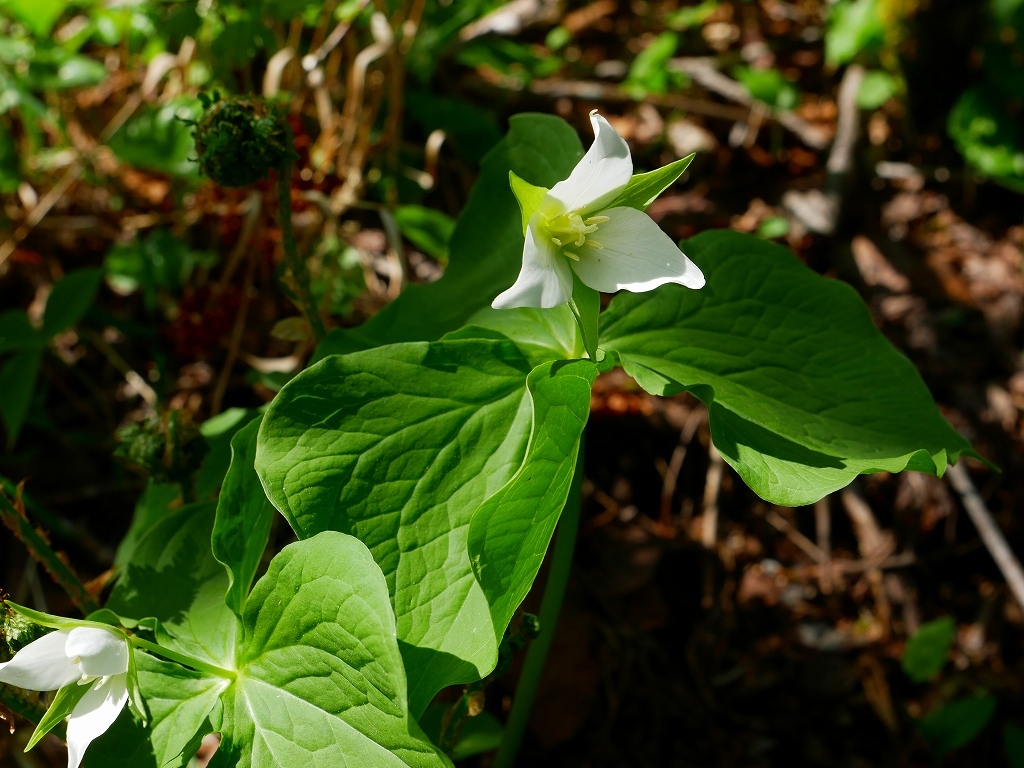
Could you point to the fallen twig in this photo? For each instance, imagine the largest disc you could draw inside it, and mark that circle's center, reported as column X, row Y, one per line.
column 989, row 531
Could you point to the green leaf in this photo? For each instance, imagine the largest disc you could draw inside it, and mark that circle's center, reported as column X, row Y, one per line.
column 690, row 16
column 399, row 446
column 927, row 650
column 10, row 165
column 63, row 705
column 219, row 431
column 644, row 188
column 510, row 533
column 38, row 15
column 956, row 724
column 70, row 299
column 486, row 249
column 853, row 26
column 804, row 392
column 877, row 87
column 528, row 196
column 1013, row 743
column 988, row 136
column 769, row 86
column 180, row 702
column 172, row 576
column 649, row 71
column 479, row 734
column 159, row 139
column 321, row 681
column 17, row 386
column 17, row 333
column 244, row 517
column 153, row 505
column 428, row 229
column 773, row 227
column 541, row 334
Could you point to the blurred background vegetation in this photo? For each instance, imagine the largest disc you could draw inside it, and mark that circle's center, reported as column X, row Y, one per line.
column 880, row 139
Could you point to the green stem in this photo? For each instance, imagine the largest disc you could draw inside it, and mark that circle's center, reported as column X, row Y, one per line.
column 551, row 605
column 291, row 251
column 181, row 658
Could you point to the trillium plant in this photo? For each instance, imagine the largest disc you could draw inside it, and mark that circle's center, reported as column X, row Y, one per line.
column 424, row 460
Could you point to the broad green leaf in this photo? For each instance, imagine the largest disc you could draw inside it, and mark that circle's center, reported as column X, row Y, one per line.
column 956, row 724
column 70, row 299
column 528, row 196
column 17, row 333
column 486, row 249
column 540, row 334
column 63, row 705
column 173, row 577
column 804, row 392
column 320, row 677
column 399, row 446
column 927, row 650
column 180, row 702
column 153, row 505
column 428, row 229
column 244, row 517
column 510, row 533
column 649, row 72
column 644, row 188
column 474, row 131
column 38, row 15
column 219, row 431
column 17, row 386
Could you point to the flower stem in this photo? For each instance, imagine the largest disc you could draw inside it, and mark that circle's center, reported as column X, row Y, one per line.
column 181, row 658
column 551, row 605
column 14, row 518
column 291, row 251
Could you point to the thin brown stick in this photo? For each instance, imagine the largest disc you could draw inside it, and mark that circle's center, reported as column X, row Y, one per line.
column 675, row 463
column 13, row 516
column 988, row 529
column 805, row 545
column 709, row 507
column 236, row 338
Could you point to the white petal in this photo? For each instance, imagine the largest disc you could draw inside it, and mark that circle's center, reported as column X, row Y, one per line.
column 42, row 665
column 637, row 256
column 602, row 173
column 93, row 715
column 98, row 652
column 545, row 280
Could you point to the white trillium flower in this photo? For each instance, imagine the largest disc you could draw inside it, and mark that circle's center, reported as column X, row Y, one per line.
column 83, row 655
column 610, row 249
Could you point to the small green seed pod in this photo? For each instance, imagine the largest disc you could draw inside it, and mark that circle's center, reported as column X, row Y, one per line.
column 239, row 139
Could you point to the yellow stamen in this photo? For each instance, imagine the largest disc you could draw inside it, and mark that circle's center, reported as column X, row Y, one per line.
column 581, row 240
column 571, row 255
column 592, row 243
column 598, row 220
column 556, row 241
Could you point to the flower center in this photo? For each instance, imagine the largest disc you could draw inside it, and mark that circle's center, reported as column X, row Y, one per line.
column 570, row 231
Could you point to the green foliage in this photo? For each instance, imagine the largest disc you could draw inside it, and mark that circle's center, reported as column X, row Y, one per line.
column 319, row 638
column 691, row 15
column 956, row 724
column 541, row 335
column 853, row 27
column 70, row 299
column 473, row 131
column 1013, row 743
column 38, row 15
column 159, row 263
column 877, row 87
column 167, row 447
column 769, row 86
column 804, row 392
column 988, row 137
column 773, row 228
column 244, row 518
column 927, row 650
column 528, row 196
column 428, row 229
column 649, row 72
column 17, row 386
column 158, row 138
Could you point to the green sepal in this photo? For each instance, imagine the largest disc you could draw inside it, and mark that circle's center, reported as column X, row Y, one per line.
column 644, row 188
column 528, row 196
column 61, row 622
column 134, row 694
column 64, row 703
column 586, row 307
